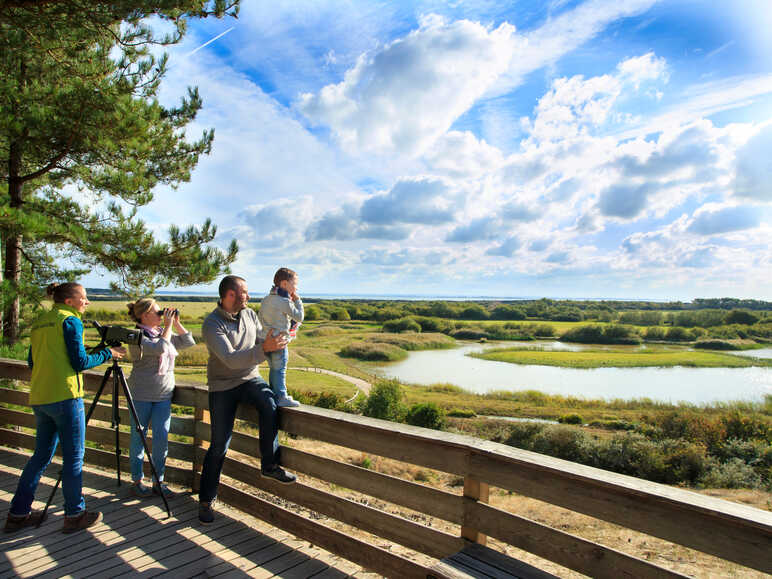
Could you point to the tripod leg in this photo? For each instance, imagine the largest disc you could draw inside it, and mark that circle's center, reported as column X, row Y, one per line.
column 117, row 374
column 138, row 426
column 105, row 378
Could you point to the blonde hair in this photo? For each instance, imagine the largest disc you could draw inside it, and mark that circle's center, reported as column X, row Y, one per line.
column 136, row 309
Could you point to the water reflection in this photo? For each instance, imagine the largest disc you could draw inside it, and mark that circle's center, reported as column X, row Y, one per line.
column 679, row 384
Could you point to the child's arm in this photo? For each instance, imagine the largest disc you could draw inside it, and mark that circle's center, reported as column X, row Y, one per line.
column 294, row 308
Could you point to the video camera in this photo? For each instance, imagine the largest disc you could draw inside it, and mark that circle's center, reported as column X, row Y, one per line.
column 115, row 335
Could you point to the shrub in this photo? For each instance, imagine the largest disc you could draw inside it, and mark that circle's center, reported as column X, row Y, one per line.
column 312, row 313
column 413, row 341
column 468, row 333
column 340, row 314
column 570, row 419
column 434, row 324
column 462, row 413
column 323, row 331
column 655, row 333
column 733, row 474
column 741, row 317
column 385, row 401
column 592, row 334
column 401, row 325
column 543, row 330
column 373, row 351
column 331, row 400
column 427, row 415
column 678, row 334
column 715, row 345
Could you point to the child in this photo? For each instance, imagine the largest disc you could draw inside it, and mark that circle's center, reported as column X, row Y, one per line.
column 281, row 311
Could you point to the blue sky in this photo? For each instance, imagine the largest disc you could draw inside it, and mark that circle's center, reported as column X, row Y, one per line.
column 596, row 148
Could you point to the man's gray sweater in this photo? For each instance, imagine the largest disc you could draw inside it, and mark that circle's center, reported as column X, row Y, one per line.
column 234, row 348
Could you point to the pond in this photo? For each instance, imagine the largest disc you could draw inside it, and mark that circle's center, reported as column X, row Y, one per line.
column 679, row 384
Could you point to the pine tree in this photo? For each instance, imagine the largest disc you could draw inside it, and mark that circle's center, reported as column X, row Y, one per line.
column 84, row 141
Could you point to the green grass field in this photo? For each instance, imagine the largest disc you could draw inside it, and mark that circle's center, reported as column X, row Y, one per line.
column 610, row 358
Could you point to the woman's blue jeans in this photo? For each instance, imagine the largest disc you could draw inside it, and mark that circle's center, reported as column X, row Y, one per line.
column 159, row 416
column 277, row 375
column 63, row 422
column 222, row 412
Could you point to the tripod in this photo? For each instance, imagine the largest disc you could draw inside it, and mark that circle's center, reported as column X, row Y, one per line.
column 119, row 380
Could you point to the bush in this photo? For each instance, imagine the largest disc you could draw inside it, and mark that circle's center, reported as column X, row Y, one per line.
column 401, row 325
column 678, row 334
column 373, row 351
column 312, row 313
column 613, row 334
column 340, row 314
column 715, row 345
column 434, row 324
column 427, row 415
column 431, row 341
column 570, row 419
column 733, row 474
column 462, row 413
column 655, row 333
column 385, row 401
column 741, row 317
column 543, row 330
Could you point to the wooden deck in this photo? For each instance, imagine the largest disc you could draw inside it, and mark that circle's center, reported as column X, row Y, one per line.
column 136, row 539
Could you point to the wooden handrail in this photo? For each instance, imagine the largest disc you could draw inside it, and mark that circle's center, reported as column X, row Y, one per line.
column 728, row 530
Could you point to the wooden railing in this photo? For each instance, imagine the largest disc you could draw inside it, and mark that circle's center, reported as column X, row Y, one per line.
column 730, row 531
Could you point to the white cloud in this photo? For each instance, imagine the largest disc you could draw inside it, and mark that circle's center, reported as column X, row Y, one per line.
column 507, row 248
column 712, row 219
column 753, row 179
column 419, row 200
column 407, row 94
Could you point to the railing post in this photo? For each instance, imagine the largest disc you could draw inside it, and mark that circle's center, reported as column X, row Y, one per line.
column 478, row 492
column 201, row 421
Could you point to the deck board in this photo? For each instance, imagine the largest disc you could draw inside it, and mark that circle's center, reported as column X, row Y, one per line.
column 136, row 537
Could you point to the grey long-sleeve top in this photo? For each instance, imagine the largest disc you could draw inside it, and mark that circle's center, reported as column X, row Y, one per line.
column 234, row 348
column 145, row 383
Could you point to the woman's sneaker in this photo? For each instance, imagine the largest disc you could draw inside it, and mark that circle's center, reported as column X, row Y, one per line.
column 287, row 402
column 82, row 521
column 163, row 489
column 140, row 490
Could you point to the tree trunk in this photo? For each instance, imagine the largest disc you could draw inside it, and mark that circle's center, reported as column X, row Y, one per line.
column 13, row 240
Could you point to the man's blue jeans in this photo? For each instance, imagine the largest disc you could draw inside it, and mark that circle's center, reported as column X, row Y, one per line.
column 63, row 422
column 159, row 415
column 277, row 375
column 222, row 410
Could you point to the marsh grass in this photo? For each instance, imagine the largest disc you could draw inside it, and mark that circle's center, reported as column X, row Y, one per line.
column 427, row 341
column 614, row 359
column 373, row 351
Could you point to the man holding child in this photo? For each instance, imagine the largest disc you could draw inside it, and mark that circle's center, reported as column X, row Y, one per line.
column 231, row 333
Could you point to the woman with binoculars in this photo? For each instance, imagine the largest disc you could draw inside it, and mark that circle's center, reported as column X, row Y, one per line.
column 152, row 385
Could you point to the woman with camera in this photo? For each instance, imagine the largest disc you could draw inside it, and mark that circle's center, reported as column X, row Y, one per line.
column 57, row 357
column 152, row 384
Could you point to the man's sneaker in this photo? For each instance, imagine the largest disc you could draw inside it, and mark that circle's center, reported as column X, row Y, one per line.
column 140, row 490
column 163, row 489
column 279, row 474
column 82, row 521
column 287, row 402
column 206, row 513
column 17, row 522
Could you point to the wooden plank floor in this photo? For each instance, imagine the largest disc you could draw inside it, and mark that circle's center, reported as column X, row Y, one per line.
column 136, row 539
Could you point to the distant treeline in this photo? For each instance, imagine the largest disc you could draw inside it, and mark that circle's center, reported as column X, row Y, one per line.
column 643, row 313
